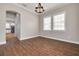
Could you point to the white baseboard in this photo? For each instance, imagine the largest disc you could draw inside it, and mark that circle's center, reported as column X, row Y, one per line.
column 60, row 39
column 29, row 37
column 1, row 43
column 50, row 38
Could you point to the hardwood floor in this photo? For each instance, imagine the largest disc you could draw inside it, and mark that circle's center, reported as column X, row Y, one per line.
column 38, row 46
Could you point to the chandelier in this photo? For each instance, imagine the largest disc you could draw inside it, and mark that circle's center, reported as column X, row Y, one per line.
column 39, row 8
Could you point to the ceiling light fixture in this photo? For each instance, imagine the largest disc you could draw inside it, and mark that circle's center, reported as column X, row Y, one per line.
column 39, row 8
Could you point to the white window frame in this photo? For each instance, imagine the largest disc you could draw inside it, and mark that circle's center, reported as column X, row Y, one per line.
column 44, row 24
column 64, row 21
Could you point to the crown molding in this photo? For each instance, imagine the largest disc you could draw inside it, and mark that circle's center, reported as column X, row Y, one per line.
column 16, row 4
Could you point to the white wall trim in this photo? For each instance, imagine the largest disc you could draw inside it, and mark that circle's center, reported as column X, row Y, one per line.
column 60, row 39
column 50, row 38
column 1, row 43
column 28, row 37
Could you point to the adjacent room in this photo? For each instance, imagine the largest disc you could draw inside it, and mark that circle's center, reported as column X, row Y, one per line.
column 39, row 29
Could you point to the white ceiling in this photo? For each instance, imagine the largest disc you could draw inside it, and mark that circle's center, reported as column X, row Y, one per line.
column 47, row 6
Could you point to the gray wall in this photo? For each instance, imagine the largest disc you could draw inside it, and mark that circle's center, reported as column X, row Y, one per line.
column 2, row 25
column 17, row 25
column 29, row 26
column 71, row 34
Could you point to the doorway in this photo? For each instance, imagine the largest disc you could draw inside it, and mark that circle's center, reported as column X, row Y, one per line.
column 12, row 26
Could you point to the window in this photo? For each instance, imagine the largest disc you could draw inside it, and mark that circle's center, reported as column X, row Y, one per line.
column 47, row 23
column 7, row 25
column 59, row 21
